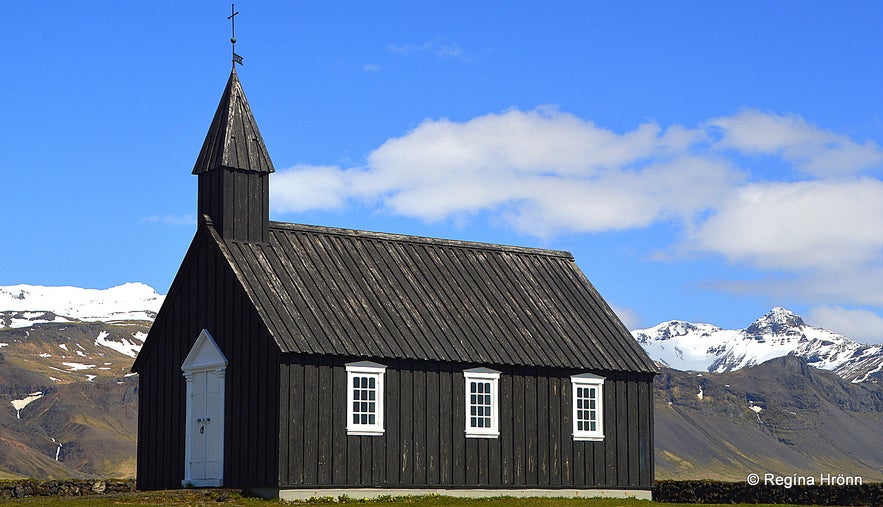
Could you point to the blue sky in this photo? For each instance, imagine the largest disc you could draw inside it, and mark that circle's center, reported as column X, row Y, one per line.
column 702, row 160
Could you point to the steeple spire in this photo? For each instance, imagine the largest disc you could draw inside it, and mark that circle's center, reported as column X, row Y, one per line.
column 233, row 140
column 234, row 169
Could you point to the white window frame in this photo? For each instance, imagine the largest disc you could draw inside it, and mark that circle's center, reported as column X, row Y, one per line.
column 371, row 370
column 588, row 381
column 484, row 375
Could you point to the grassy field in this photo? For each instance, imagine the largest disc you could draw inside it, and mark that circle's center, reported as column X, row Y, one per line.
column 191, row 498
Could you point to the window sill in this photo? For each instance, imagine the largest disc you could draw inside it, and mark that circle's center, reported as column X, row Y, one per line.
column 365, row 432
column 495, row 434
column 590, row 438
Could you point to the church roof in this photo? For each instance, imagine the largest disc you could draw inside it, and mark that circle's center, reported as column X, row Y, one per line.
column 322, row 290
column 233, row 140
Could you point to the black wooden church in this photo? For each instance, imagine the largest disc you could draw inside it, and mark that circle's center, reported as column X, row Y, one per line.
column 296, row 357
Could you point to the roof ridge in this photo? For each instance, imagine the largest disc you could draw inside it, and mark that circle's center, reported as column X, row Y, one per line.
column 426, row 240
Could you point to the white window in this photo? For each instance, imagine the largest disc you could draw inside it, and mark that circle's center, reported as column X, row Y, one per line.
column 588, row 407
column 482, row 403
column 364, row 398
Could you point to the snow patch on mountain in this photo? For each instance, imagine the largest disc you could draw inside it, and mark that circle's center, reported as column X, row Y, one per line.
column 18, row 405
column 123, row 346
column 26, row 305
column 704, row 347
column 78, row 366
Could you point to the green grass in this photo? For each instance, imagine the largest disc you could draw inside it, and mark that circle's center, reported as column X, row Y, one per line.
column 202, row 498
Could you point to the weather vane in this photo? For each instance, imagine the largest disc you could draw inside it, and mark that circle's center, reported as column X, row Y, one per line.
column 232, row 18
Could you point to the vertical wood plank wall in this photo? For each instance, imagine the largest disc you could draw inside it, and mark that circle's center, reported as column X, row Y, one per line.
column 424, row 442
column 205, row 296
column 237, row 201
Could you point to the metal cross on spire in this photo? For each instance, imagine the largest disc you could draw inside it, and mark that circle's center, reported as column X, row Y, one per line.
column 232, row 18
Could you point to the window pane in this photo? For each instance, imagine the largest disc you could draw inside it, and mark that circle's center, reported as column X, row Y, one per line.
column 586, row 402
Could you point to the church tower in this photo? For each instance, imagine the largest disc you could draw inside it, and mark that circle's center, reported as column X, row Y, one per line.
column 234, row 169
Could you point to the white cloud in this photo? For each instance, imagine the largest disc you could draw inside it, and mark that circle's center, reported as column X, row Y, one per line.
column 860, row 325
column 858, row 285
column 629, row 317
column 809, row 148
column 371, row 67
column 821, row 224
column 305, row 187
column 438, row 47
column 545, row 172
column 170, row 219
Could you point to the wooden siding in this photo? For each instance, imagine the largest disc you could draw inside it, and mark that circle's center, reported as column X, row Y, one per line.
column 424, row 444
column 206, row 295
column 237, row 202
column 354, row 293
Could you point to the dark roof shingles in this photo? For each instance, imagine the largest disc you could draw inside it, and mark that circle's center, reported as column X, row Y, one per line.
column 337, row 291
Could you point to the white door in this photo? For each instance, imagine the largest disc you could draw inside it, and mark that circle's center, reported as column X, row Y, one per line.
column 206, row 444
column 204, row 370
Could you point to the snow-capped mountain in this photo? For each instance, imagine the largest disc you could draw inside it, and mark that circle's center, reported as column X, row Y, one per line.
column 704, row 347
column 26, row 305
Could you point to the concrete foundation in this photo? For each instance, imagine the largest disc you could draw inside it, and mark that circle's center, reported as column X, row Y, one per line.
column 368, row 493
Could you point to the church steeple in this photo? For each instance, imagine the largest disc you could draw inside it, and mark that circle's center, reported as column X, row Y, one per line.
column 233, row 169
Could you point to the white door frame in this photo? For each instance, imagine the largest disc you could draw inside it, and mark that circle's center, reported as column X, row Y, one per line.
column 205, row 357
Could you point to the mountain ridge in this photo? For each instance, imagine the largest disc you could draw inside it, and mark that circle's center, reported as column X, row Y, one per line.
column 25, row 305
column 688, row 346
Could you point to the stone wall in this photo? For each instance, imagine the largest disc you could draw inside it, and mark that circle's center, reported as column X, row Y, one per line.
column 26, row 488
column 742, row 492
